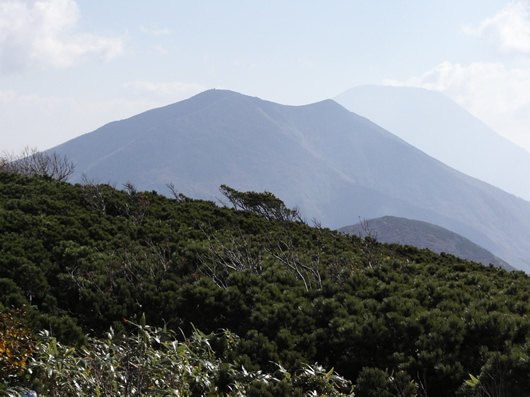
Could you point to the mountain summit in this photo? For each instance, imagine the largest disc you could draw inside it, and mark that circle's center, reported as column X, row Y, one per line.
column 334, row 165
column 444, row 130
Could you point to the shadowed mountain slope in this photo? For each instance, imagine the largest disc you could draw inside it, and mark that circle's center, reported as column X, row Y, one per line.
column 444, row 130
column 395, row 230
column 333, row 164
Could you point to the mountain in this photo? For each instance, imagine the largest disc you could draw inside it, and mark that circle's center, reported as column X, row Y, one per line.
column 392, row 229
column 334, row 165
column 444, row 130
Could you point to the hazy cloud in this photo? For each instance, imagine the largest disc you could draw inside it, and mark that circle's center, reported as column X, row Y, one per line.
column 58, row 118
column 481, row 87
column 155, row 31
column 41, row 34
column 161, row 50
column 490, row 91
column 62, row 118
column 169, row 92
column 509, row 29
column 495, row 93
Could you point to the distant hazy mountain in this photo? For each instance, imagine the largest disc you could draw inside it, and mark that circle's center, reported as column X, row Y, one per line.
column 335, row 165
column 391, row 229
column 444, row 130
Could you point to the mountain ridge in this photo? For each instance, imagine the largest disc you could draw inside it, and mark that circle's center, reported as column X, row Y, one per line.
column 435, row 124
column 335, row 165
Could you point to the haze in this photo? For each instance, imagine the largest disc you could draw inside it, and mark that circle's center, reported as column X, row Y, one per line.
column 67, row 67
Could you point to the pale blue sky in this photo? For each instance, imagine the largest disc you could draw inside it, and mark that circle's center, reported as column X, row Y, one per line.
column 67, row 67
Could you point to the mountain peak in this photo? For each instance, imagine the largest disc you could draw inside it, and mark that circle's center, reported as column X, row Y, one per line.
column 332, row 164
column 438, row 126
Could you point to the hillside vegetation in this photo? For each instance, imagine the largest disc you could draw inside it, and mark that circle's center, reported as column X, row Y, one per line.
column 251, row 300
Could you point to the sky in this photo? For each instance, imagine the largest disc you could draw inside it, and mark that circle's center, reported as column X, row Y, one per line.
column 68, row 67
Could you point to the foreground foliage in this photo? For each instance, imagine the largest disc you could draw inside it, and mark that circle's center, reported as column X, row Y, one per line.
column 16, row 344
column 393, row 320
column 152, row 361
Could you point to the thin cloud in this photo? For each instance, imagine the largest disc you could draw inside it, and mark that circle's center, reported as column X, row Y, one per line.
column 41, row 34
column 161, row 50
column 493, row 92
column 63, row 118
column 490, row 91
column 155, row 31
column 59, row 118
column 509, row 29
column 170, row 91
column 481, row 87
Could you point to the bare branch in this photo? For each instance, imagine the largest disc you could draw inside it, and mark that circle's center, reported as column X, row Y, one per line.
column 369, row 246
column 32, row 162
column 178, row 196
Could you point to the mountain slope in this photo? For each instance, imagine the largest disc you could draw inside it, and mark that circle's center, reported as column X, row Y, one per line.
column 335, row 165
column 436, row 125
column 262, row 292
column 395, row 230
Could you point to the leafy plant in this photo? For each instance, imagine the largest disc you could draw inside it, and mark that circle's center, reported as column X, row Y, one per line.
column 152, row 361
column 82, row 258
column 16, row 344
